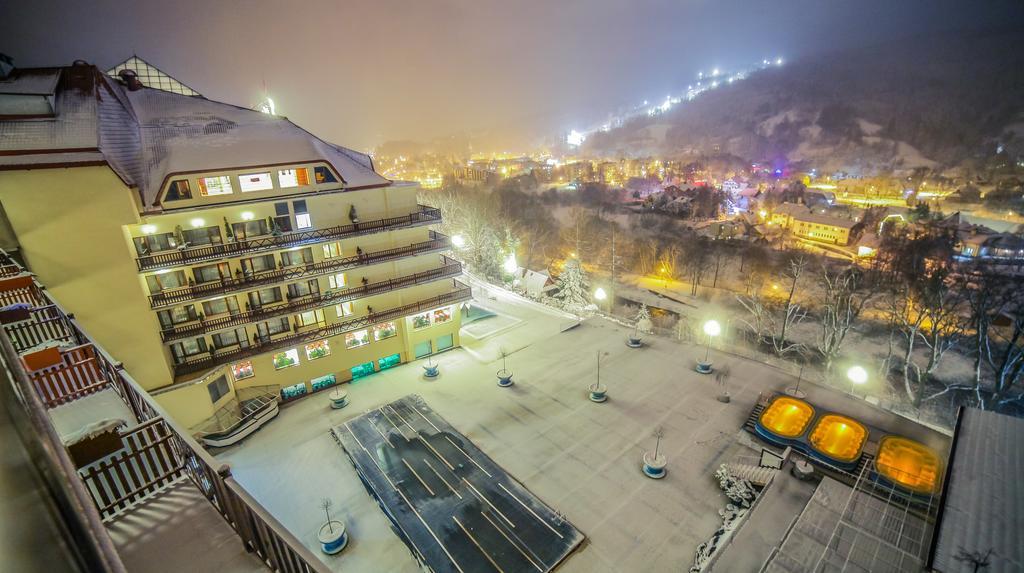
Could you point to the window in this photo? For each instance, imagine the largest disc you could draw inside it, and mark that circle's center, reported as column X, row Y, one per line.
column 420, row 320
column 384, row 330
column 337, row 281
column 443, row 315
column 250, row 229
column 211, row 273
column 178, row 191
column 164, row 281
column 357, row 338
column 318, row 349
column 299, row 290
column 300, row 206
column 218, row 388
column 445, row 342
column 155, row 243
column 389, row 361
column 281, row 209
column 324, row 175
column 292, row 177
column 242, row 370
column 332, row 250
column 215, row 186
column 185, row 348
column 272, row 327
column 300, row 257
column 292, row 392
column 303, row 221
column 255, row 182
column 259, row 264
column 265, row 296
column 323, row 382
column 286, row 359
column 231, row 338
column 422, row 349
column 177, row 315
column 311, row 317
column 220, row 306
column 203, row 236
column 343, row 309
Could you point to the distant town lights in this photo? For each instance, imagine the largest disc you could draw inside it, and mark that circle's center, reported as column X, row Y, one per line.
column 778, row 61
column 576, row 138
column 148, row 229
column 197, row 222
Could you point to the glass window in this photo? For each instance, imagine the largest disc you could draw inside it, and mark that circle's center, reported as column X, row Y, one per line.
column 286, row 359
column 230, row 338
column 420, row 320
column 324, row 175
column 422, row 349
column 281, row 209
column 303, row 221
column 255, row 182
column 311, row 317
column 300, row 257
column 442, row 315
column 177, row 315
column 323, row 382
column 299, row 290
column 218, row 388
column 292, row 177
column 178, row 190
column 215, row 186
column 216, row 306
column 336, row 281
column 202, row 236
column 389, row 361
column 250, row 229
column 300, row 206
column 317, row 349
column 164, row 281
column 259, row 264
column 384, row 330
column 209, row 273
column 155, row 243
column 343, row 309
column 332, row 250
column 266, row 296
column 242, row 370
column 357, row 338
column 445, row 342
column 294, row 391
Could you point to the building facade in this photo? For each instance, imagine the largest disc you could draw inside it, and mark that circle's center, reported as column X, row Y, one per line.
column 213, row 248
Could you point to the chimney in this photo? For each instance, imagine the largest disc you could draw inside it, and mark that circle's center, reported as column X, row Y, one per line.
column 130, row 79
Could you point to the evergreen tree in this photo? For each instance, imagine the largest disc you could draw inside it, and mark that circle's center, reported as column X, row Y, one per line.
column 643, row 319
column 573, row 294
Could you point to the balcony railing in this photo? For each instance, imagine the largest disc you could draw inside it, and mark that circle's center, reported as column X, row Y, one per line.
column 266, row 344
column 437, row 243
column 190, row 255
column 450, row 269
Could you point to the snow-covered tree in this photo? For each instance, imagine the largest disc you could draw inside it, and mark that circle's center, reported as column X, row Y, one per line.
column 642, row 320
column 573, row 294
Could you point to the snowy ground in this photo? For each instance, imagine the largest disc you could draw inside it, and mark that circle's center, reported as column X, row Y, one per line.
column 581, row 458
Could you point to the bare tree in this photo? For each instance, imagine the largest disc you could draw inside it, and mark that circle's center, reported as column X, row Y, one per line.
column 792, row 313
column 842, row 302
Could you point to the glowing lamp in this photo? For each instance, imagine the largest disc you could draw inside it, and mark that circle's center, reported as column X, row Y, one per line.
column 599, row 294
column 511, row 265
column 712, row 328
column 197, row 222
column 857, row 375
column 148, row 229
column 458, row 241
column 247, row 216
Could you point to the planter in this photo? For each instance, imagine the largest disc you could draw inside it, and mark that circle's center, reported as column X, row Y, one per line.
column 431, row 371
column 598, row 393
column 634, row 341
column 504, row 378
column 332, row 537
column 654, row 467
column 704, row 367
column 339, row 398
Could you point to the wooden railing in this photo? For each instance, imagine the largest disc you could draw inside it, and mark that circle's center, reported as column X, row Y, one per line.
column 222, row 356
column 157, row 435
column 46, row 324
column 423, row 216
column 23, row 290
column 76, row 375
column 450, row 269
column 437, row 243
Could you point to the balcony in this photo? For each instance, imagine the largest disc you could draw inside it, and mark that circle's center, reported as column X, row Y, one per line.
column 437, row 243
column 198, row 363
column 191, row 255
column 449, row 269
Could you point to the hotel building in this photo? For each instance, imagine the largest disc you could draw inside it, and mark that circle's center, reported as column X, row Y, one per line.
column 219, row 252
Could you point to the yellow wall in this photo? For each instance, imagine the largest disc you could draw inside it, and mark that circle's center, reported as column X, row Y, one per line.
column 69, row 229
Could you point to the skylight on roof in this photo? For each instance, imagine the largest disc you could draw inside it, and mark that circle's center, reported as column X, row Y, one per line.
column 152, row 77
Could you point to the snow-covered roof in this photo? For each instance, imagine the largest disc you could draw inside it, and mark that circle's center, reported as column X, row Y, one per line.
column 40, row 81
column 147, row 135
column 152, row 77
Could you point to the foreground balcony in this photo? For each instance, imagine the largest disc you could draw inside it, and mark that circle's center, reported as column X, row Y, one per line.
column 190, row 255
column 437, row 243
column 460, row 293
column 449, row 269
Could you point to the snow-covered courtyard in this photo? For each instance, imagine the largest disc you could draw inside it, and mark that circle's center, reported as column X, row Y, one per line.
column 581, row 458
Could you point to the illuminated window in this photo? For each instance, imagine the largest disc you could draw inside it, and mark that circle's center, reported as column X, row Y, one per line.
column 343, row 309
column 303, row 221
column 317, row 349
column 332, row 250
column 215, row 186
column 255, row 182
column 384, row 330
column 292, row 177
column 337, row 281
column 311, row 317
column 420, row 320
column 242, row 370
column 286, row 359
column 178, row 191
column 442, row 315
column 357, row 338
column 324, row 175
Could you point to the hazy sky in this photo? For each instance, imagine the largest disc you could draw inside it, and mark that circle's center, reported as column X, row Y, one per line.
column 363, row 72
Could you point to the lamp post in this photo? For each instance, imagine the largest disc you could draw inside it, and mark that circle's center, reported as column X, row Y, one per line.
column 599, row 295
column 711, row 329
column 857, row 376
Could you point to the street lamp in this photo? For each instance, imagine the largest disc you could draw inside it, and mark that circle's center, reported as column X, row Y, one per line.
column 857, row 376
column 459, row 241
column 711, row 329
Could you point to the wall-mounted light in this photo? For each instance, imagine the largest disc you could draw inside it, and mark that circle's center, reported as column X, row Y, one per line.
column 247, row 215
column 196, row 223
column 148, row 229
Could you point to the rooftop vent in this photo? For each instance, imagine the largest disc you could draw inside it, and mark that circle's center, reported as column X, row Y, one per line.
column 130, row 79
column 79, row 63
